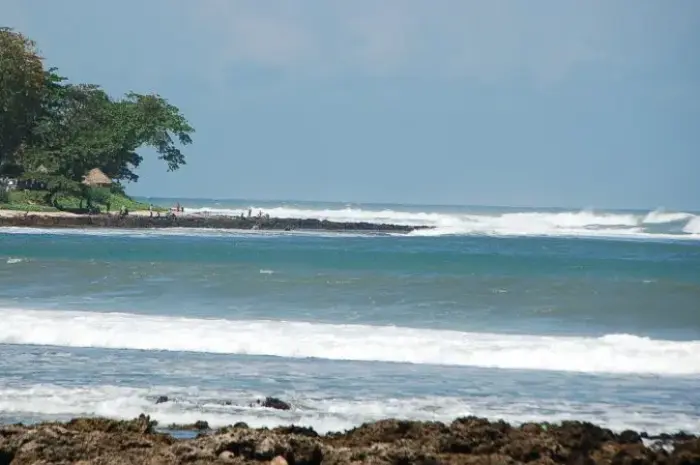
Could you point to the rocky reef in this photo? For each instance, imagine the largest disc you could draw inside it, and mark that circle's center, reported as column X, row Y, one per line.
column 39, row 220
column 93, row 441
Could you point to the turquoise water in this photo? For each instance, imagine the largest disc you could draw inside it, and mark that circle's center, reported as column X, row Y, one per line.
column 507, row 313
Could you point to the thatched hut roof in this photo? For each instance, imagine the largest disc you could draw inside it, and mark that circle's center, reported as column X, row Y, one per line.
column 95, row 177
column 42, row 169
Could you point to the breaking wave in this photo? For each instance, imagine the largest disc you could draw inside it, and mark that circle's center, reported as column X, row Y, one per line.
column 658, row 223
column 317, row 410
column 614, row 353
column 693, row 226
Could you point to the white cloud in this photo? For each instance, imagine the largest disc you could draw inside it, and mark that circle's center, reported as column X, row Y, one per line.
column 260, row 35
column 490, row 40
column 545, row 40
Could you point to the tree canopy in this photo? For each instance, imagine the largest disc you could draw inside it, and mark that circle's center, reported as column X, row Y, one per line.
column 67, row 128
column 21, row 90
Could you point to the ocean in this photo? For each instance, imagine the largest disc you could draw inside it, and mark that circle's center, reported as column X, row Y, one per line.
column 515, row 314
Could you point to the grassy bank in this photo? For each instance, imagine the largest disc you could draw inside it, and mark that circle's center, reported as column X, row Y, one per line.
column 35, row 201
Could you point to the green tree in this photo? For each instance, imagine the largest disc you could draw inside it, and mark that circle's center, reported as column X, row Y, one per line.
column 45, row 121
column 84, row 128
column 21, row 91
column 152, row 121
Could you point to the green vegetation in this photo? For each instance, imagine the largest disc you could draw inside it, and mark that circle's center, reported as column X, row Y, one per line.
column 35, row 201
column 52, row 133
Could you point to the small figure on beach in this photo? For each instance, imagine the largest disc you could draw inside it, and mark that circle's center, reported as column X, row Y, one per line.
column 150, row 210
column 177, row 208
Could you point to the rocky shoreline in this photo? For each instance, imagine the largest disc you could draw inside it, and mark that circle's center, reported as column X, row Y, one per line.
column 471, row 440
column 141, row 221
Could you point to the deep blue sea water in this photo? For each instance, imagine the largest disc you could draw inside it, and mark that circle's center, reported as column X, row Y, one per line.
column 520, row 314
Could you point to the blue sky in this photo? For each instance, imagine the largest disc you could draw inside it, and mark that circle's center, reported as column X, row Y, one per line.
column 548, row 102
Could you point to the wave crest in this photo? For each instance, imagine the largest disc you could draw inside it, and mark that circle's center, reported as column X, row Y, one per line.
column 608, row 354
column 586, row 223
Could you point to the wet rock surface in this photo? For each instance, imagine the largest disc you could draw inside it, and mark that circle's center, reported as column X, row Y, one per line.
column 196, row 426
column 38, row 220
column 93, row 441
column 275, row 403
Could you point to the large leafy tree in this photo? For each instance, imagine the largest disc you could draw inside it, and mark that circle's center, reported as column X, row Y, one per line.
column 22, row 85
column 84, row 128
column 67, row 129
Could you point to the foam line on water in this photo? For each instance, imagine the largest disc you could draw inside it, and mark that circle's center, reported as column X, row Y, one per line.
column 693, row 226
column 581, row 218
column 566, row 223
column 220, row 408
column 662, row 217
column 616, row 353
column 657, row 224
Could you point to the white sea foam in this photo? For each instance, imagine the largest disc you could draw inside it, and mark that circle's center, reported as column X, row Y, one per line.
column 561, row 219
column 187, row 405
column 608, row 354
column 13, row 260
column 662, row 217
column 693, row 226
column 583, row 223
column 531, row 223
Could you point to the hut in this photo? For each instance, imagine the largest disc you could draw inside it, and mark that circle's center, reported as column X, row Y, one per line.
column 96, row 178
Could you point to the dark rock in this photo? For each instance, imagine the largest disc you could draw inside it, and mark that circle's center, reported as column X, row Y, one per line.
column 274, row 402
column 241, row 424
column 162, row 399
column 682, row 436
column 629, row 437
column 6, row 457
column 690, row 445
column 141, row 425
column 298, row 430
column 474, row 441
column 37, row 220
column 201, row 425
column 196, row 426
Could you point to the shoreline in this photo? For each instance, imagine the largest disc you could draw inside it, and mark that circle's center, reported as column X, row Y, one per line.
column 469, row 440
column 143, row 220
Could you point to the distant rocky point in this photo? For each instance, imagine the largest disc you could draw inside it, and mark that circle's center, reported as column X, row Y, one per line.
column 39, row 220
column 475, row 441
